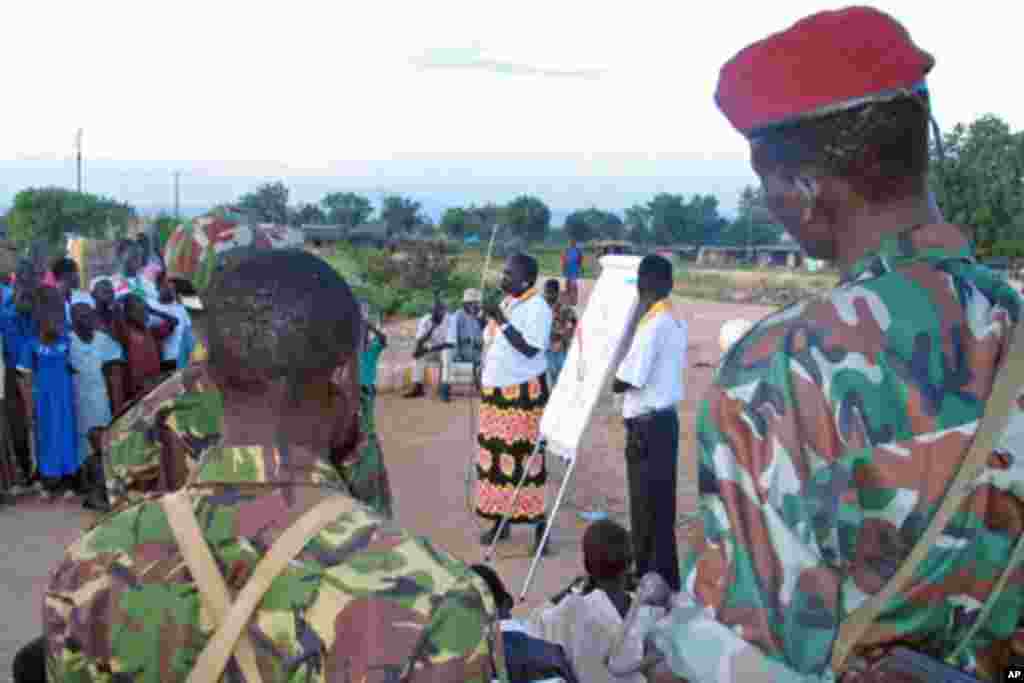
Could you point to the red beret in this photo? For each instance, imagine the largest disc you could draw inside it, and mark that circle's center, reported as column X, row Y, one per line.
column 823, row 63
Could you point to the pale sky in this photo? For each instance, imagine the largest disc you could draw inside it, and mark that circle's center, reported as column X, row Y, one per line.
column 600, row 90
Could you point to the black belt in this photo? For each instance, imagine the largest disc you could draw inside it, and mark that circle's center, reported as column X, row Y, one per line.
column 644, row 418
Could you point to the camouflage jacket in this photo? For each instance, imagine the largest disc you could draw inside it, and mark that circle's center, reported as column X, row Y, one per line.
column 157, row 443
column 825, row 445
column 362, row 601
column 181, row 417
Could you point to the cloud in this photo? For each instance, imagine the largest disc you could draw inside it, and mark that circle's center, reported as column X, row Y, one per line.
column 475, row 58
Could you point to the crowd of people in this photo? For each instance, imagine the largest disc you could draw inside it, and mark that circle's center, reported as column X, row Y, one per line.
column 828, row 439
column 73, row 358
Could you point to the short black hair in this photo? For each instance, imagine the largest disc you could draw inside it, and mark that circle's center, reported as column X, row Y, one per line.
column 881, row 148
column 529, row 264
column 48, row 301
column 552, row 283
column 64, row 266
column 497, row 587
column 607, row 550
column 658, row 271
column 281, row 313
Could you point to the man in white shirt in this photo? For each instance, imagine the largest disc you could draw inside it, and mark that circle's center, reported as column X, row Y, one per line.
column 651, row 379
column 465, row 337
column 431, row 340
column 514, row 388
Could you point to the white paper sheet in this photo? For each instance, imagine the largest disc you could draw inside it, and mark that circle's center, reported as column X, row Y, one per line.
column 594, row 355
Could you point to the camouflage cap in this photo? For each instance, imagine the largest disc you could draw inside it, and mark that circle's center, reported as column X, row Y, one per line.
column 195, row 250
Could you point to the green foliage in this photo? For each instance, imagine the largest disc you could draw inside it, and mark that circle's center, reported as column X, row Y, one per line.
column 404, row 288
column 307, row 214
column 455, row 223
column 46, row 215
column 402, row 215
column 528, row 218
column 978, row 184
column 346, row 208
column 593, row 223
column 268, row 204
column 671, row 219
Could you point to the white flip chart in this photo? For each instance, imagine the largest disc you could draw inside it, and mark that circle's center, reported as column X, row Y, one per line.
column 597, row 348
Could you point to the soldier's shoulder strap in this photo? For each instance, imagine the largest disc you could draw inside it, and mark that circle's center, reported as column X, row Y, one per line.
column 232, row 618
column 994, row 421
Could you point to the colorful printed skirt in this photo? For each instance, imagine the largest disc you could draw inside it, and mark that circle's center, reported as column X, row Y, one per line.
column 509, row 429
column 367, row 478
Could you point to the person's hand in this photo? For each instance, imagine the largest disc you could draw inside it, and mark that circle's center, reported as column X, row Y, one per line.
column 493, row 310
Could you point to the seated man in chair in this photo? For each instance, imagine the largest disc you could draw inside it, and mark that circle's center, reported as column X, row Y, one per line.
column 465, row 339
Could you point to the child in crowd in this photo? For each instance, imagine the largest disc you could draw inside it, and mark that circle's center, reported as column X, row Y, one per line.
column 141, row 344
column 103, row 297
column 49, row 396
column 8, row 465
column 563, row 327
column 91, row 350
column 132, row 281
column 169, row 304
column 18, row 326
column 69, row 283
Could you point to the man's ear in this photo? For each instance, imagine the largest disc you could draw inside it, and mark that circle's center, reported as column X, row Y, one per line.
column 810, row 192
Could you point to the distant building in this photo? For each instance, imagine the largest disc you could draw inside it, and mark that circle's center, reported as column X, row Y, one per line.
column 787, row 255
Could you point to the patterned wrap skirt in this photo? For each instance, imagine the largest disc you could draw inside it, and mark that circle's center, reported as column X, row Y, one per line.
column 509, row 429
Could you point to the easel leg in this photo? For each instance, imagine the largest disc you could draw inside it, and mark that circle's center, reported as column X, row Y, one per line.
column 547, row 529
column 515, row 498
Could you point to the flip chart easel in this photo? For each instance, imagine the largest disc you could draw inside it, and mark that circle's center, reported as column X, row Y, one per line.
column 601, row 340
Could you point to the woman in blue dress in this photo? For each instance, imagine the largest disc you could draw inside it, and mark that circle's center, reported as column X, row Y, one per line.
column 44, row 364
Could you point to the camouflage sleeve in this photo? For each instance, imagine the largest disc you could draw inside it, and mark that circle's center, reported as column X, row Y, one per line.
column 131, row 456
column 411, row 611
column 165, row 433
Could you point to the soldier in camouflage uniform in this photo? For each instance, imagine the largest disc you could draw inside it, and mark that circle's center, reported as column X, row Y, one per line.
column 156, row 443
column 833, row 428
column 363, row 601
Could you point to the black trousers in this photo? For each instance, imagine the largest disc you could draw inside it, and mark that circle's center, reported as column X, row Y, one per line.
column 652, row 454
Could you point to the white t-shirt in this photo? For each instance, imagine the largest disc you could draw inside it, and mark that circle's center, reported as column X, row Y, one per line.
column 172, row 345
column 504, row 366
column 655, row 364
column 438, row 336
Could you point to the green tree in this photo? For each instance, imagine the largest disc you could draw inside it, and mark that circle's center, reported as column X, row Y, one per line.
column 482, row 219
column 402, row 214
column 46, row 215
column 594, row 223
column 577, row 227
column 308, row 214
column 978, row 183
column 754, row 225
column 528, row 218
column 669, row 216
column 268, row 204
column 638, row 224
column 346, row 208
column 455, row 222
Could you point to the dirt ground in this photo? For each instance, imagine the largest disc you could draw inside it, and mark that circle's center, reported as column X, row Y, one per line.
column 433, row 500
column 427, row 446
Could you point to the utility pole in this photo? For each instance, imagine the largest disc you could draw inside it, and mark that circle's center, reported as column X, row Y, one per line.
column 177, row 196
column 78, row 157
